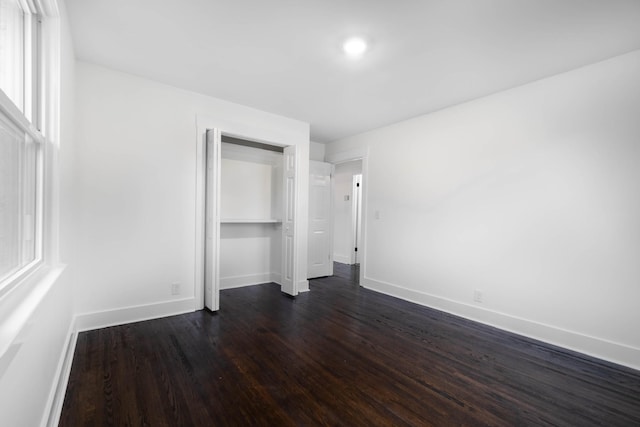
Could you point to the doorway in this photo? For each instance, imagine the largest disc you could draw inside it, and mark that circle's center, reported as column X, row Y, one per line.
column 347, row 212
column 250, row 213
column 359, row 157
column 356, row 217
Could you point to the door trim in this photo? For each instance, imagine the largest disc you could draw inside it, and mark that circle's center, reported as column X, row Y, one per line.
column 356, row 218
column 348, row 156
column 265, row 135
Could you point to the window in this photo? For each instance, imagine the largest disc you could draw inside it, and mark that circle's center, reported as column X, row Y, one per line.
column 12, row 51
column 21, row 143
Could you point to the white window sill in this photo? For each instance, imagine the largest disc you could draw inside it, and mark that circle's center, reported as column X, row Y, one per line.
column 17, row 307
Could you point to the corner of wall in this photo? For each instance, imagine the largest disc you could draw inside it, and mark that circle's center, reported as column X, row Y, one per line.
column 303, row 286
column 139, row 313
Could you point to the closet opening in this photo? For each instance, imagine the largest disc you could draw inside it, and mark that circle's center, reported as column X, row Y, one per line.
column 249, row 215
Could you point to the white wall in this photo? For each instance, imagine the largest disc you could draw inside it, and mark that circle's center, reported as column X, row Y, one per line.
column 250, row 254
column 531, row 196
column 342, row 209
column 32, row 366
column 246, row 190
column 31, row 369
column 136, row 189
column 251, row 189
column 316, row 151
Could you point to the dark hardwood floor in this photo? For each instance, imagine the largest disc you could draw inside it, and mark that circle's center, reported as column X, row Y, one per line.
column 338, row 355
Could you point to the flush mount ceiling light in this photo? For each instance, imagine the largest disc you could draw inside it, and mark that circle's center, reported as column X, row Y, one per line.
column 354, row 47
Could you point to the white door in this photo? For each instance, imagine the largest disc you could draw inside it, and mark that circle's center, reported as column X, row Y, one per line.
column 212, row 221
column 289, row 280
column 320, row 254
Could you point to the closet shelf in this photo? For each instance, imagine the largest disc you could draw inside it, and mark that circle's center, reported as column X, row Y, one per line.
column 249, row 221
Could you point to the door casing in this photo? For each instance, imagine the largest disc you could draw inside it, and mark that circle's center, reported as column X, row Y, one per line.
column 265, row 136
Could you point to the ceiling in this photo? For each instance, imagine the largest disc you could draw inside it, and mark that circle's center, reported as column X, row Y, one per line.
column 284, row 56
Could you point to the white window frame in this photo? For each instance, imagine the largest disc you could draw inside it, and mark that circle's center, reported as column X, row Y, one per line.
column 40, row 121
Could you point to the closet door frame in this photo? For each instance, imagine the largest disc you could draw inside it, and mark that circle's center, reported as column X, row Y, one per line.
column 266, row 136
column 213, row 142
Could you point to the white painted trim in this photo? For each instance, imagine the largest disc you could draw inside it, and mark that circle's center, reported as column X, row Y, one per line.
column 361, row 153
column 250, row 221
column 122, row 316
column 48, row 7
column 592, row 346
column 49, row 121
column 20, row 303
column 356, row 216
column 202, row 124
column 276, row 278
column 303, row 286
column 232, row 282
column 45, row 115
column 61, row 379
column 342, row 259
column 17, row 118
column 348, row 155
column 248, row 285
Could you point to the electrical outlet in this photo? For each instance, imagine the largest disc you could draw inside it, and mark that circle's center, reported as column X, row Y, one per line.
column 175, row 289
column 477, row 295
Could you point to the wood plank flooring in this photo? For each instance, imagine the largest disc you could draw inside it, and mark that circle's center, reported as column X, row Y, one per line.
column 339, row 355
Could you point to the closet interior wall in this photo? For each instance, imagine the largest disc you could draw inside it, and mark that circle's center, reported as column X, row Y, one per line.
column 251, row 213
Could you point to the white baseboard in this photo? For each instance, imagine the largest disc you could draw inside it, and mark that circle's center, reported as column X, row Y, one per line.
column 247, row 280
column 61, row 379
column 342, row 259
column 592, row 346
column 121, row 316
column 257, row 279
column 276, row 278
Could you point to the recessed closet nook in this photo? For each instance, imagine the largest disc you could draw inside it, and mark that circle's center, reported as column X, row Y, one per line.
column 250, row 217
column 250, row 213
